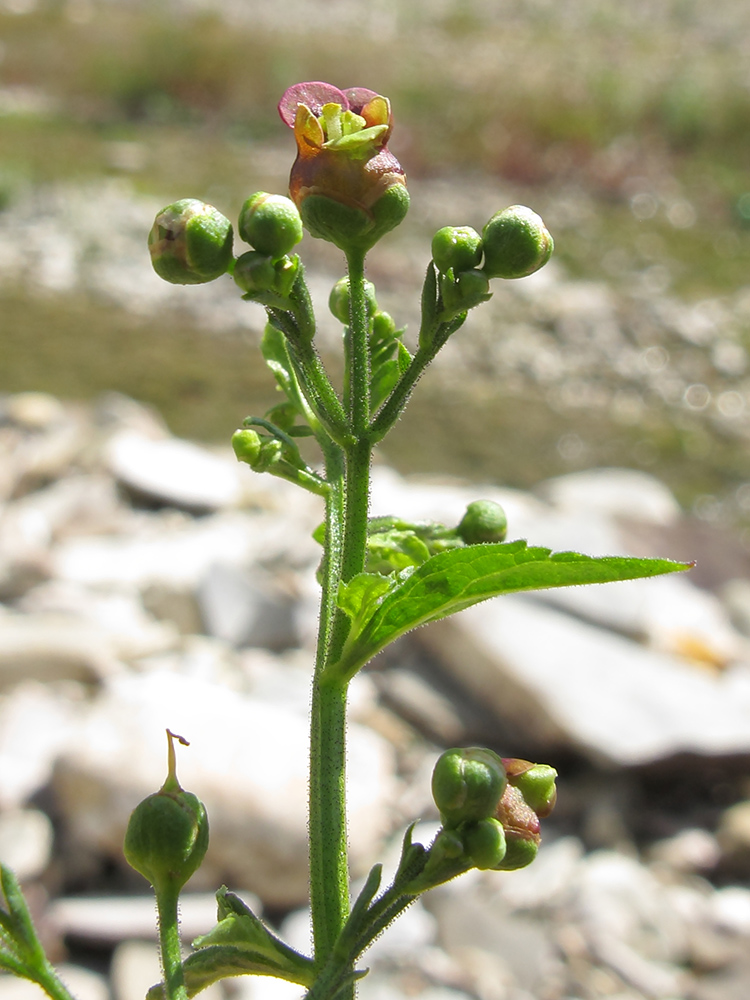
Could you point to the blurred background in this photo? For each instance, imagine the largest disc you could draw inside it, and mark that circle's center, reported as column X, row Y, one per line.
column 627, row 127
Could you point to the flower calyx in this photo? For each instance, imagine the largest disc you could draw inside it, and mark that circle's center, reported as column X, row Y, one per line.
column 349, row 188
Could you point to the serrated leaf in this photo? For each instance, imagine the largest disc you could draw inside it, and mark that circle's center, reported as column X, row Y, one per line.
column 456, row 579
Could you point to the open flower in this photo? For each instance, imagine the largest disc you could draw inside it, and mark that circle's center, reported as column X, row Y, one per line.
column 350, row 189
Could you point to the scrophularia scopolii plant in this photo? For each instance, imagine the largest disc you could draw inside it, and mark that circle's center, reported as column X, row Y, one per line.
column 379, row 577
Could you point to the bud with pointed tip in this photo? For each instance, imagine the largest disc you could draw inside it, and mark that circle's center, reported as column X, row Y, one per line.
column 167, row 835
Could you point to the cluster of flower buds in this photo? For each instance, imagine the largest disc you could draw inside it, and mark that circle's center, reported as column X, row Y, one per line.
column 490, row 809
column 513, row 244
column 271, row 224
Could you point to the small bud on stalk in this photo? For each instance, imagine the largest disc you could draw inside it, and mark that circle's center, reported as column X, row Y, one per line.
column 516, row 243
column 456, row 247
column 467, row 784
column 271, row 224
column 340, row 298
column 167, row 835
column 190, row 243
column 484, row 521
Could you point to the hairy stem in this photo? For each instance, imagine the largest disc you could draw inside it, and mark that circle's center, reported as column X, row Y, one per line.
column 169, row 941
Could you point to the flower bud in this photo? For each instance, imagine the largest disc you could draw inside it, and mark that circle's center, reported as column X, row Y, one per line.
column 254, row 272
column 339, row 300
column 484, row 843
column 467, row 784
column 246, row 444
column 519, row 852
column 167, row 835
column 270, row 223
column 190, row 243
column 484, row 521
column 457, row 247
column 462, row 292
column 536, row 782
column 516, row 243
column 267, row 280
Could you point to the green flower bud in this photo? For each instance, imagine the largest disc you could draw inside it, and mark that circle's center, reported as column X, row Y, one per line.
column 254, row 272
column 190, row 243
column 457, row 247
column 462, row 292
column 340, row 298
column 484, row 521
column 246, row 443
column 167, row 834
column 516, row 243
column 467, row 784
column 519, row 852
column 536, row 782
column 270, row 223
column 383, row 327
column 484, row 843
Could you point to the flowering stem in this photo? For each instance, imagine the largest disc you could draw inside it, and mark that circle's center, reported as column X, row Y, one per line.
column 347, row 504
column 169, row 939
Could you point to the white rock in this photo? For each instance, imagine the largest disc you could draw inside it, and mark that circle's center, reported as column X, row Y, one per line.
column 629, row 924
column 25, row 841
column 175, row 551
column 566, row 682
column 53, row 648
column 626, row 493
column 36, row 723
column 175, row 472
column 82, row 983
column 110, row 919
column 248, row 762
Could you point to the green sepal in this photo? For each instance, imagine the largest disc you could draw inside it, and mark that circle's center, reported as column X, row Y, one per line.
column 429, row 306
column 451, row 581
column 350, row 228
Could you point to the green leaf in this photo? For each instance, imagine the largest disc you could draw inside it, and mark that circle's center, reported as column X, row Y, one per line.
column 216, row 962
column 456, row 579
column 239, row 944
column 360, row 597
column 276, row 354
column 383, row 380
column 404, row 357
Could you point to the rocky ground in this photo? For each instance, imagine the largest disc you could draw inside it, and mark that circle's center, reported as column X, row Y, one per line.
column 149, row 582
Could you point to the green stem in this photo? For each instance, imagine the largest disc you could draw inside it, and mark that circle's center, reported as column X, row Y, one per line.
column 358, row 354
column 393, row 407
column 169, row 940
column 347, row 504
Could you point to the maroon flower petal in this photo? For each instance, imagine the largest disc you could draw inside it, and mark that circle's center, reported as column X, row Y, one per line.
column 358, row 97
column 314, row 94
